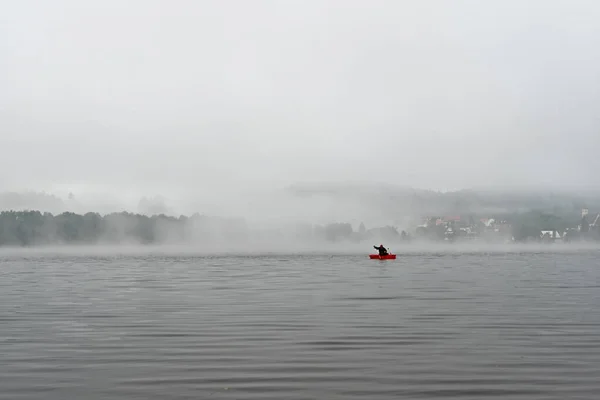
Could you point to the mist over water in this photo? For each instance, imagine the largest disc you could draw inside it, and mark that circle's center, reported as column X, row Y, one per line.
column 209, row 166
column 298, row 248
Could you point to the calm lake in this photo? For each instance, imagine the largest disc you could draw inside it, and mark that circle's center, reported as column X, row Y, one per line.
column 425, row 326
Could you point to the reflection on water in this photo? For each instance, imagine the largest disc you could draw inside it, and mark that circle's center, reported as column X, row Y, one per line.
column 506, row 326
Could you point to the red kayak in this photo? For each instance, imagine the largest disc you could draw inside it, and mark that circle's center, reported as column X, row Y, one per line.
column 378, row 257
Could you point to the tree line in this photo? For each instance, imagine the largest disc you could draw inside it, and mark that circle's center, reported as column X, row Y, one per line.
column 31, row 228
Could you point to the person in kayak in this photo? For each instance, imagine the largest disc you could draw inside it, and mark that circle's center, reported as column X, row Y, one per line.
column 382, row 250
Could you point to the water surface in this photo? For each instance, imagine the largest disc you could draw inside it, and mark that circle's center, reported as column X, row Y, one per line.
column 426, row 326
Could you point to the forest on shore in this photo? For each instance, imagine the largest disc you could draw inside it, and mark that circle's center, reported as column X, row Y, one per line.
column 32, row 228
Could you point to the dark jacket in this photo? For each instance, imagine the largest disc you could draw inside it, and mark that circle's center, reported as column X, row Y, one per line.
column 382, row 250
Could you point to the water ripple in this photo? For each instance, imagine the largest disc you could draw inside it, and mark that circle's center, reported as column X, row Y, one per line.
column 471, row 326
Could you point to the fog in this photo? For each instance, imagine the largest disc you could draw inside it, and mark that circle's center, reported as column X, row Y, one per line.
column 404, row 252
column 220, row 106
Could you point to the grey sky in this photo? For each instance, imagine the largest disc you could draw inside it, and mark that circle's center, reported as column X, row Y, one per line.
column 209, row 97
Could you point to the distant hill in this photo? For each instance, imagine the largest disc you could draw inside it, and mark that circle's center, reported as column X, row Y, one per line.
column 403, row 200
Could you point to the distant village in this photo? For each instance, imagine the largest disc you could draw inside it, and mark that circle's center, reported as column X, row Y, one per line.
column 457, row 228
column 531, row 227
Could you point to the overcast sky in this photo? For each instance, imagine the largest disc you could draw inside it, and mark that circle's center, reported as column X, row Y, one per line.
column 147, row 96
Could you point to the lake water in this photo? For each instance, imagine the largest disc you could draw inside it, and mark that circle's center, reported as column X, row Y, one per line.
column 426, row 326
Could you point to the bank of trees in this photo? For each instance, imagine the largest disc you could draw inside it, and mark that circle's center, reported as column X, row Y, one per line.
column 571, row 227
column 31, row 228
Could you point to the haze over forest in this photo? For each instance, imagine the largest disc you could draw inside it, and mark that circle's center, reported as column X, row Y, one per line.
column 234, row 108
column 329, row 202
